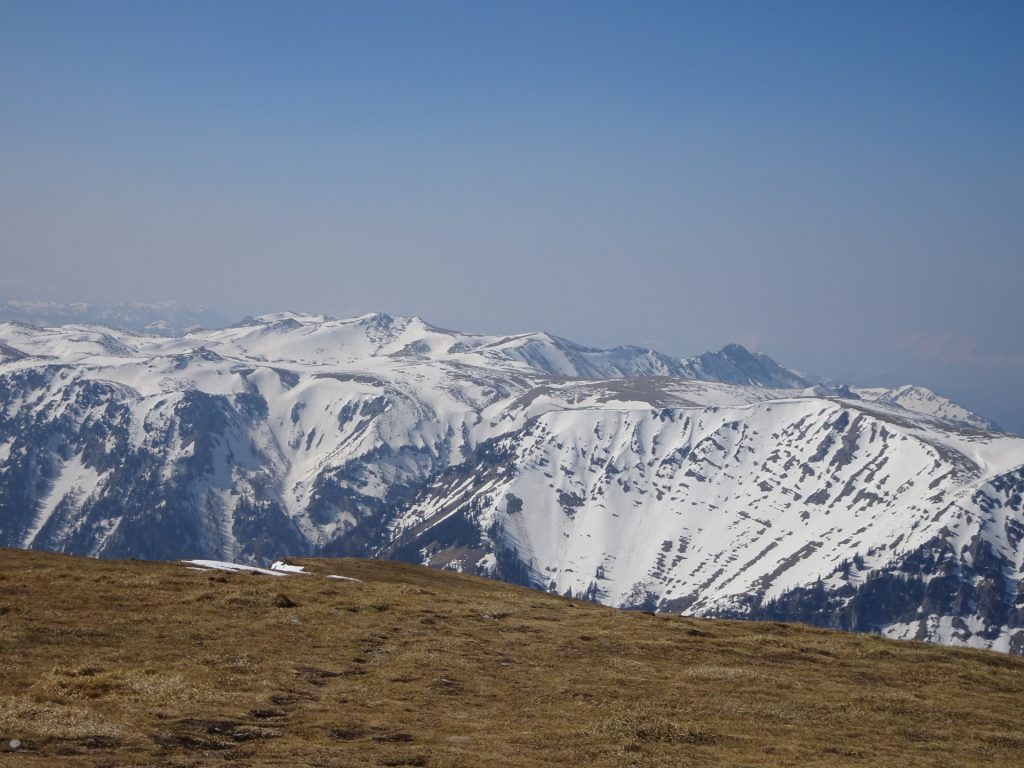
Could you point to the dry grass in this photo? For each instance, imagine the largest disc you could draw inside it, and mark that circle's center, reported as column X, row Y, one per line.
column 149, row 664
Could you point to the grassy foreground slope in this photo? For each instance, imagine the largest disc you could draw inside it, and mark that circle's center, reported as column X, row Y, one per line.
column 152, row 664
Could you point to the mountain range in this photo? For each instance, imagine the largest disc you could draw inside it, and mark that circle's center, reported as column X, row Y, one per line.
column 718, row 485
column 166, row 318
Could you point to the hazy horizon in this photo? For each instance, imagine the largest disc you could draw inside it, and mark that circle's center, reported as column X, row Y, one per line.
column 840, row 187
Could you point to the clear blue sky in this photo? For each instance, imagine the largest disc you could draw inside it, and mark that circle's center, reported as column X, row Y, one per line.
column 840, row 185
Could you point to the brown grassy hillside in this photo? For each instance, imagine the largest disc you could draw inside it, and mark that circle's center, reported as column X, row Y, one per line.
column 152, row 664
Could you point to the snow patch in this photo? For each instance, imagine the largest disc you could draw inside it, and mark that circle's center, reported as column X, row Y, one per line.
column 281, row 565
column 220, row 565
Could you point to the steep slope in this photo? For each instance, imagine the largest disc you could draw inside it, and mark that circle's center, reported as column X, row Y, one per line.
column 112, row 663
column 620, row 475
column 726, row 510
column 924, row 401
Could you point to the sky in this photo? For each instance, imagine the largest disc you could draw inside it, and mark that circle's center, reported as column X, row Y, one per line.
column 838, row 185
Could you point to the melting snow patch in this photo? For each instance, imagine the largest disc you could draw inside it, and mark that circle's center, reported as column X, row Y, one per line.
column 281, row 565
column 219, row 565
column 344, row 578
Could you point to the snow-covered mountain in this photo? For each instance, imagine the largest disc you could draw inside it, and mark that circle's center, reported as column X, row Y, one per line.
column 923, row 400
column 718, row 485
column 167, row 318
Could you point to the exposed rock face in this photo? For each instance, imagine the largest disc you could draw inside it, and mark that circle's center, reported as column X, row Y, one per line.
column 832, row 513
column 972, row 596
column 621, row 476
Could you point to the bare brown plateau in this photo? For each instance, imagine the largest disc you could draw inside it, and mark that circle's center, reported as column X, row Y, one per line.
column 111, row 663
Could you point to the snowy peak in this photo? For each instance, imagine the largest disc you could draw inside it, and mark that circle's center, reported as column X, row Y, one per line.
column 554, row 356
column 737, row 365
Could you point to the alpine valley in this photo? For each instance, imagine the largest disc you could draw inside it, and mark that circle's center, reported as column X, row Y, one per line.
column 721, row 485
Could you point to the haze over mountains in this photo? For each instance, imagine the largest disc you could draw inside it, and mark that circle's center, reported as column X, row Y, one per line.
column 166, row 318
column 722, row 484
